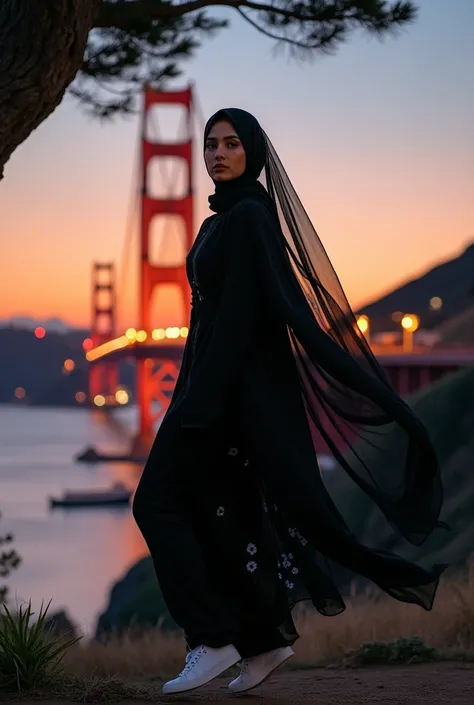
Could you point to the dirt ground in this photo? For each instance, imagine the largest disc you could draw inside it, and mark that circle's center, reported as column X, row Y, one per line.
column 430, row 684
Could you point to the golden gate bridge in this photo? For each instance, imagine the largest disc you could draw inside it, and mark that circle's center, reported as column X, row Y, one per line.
column 157, row 351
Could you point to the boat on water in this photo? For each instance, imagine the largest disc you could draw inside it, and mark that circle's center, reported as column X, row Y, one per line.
column 115, row 495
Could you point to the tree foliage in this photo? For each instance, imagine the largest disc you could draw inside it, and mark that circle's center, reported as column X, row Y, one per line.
column 112, row 47
column 9, row 560
column 137, row 41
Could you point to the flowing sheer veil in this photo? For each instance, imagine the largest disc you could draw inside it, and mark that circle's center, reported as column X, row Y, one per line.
column 388, row 451
column 371, row 432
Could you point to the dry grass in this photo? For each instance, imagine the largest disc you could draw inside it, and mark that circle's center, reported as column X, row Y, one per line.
column 132, row 667
column 449, row 628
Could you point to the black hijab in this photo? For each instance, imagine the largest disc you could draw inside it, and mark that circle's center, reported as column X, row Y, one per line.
column 247, row 127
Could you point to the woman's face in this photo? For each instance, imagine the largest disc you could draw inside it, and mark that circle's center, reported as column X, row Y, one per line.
column 224, row 153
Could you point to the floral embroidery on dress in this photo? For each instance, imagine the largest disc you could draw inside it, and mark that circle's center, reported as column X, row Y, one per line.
column 280, row 576
column 246, row 464
column 301, row 538
column 233, row 452
column 251, row 566
column 295, row 570
column 252, row 549
column 220, row 511
column 292, row 533
column 289, row 584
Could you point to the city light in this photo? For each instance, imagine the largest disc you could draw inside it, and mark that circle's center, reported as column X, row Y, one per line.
column 87, row 344
column 80, row 397
column 40, row 332
column 436, row 303
column 363, row 327
column 131, row 333
column 142, row 335
column 99, row 400
column 20, row 393
column 184, row 332
column 121, row 396
column 69, row 365
column 410, row 323
column 363, row 324
column 172, row 333
column 158, row 334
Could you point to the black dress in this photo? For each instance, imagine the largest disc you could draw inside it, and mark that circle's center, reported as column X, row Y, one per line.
column 231, row 502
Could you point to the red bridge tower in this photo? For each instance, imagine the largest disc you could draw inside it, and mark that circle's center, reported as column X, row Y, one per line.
column 156, row 377
column 103, row 376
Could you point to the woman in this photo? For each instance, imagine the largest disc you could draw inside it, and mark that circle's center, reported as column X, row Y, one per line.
column 231, row 502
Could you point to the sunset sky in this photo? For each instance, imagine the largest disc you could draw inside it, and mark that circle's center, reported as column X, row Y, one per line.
column 377, row 139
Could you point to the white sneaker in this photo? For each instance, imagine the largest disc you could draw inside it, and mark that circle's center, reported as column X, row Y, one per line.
column 257, row 669
column 202, row 665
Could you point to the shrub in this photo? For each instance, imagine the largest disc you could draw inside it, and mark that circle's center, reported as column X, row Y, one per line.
column 29, row 657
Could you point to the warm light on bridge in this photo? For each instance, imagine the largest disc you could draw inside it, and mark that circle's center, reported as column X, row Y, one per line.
column 132, row 337
column 107, row 348
column 121, row 397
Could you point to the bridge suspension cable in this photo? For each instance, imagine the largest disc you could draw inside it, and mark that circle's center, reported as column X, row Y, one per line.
column 127, row 250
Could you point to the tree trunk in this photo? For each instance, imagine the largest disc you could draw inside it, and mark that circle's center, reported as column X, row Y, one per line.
column 42, row 45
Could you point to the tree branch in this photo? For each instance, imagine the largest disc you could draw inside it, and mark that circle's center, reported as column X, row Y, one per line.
column 378, row 14
column 118, row 45
column 121, row 14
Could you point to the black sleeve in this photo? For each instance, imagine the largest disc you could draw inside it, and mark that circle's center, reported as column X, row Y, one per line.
column 235, row 324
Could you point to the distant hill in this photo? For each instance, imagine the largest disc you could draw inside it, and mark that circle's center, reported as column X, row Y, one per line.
column 52, row 325
column 36, row 365
column 451, row 281
column 458, row 330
